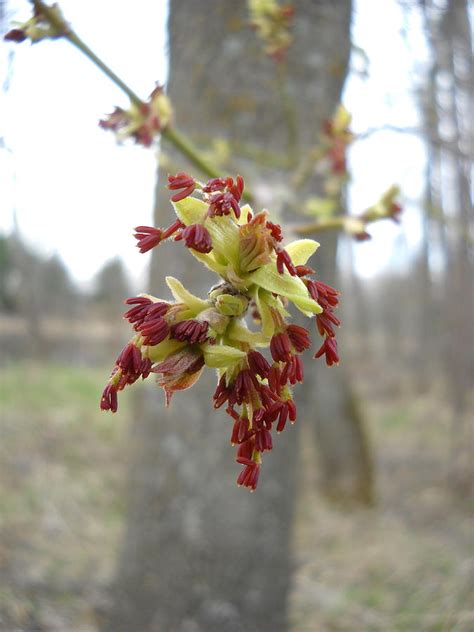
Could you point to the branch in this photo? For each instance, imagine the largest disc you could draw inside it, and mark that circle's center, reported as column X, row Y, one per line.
column 321, row 225
column 173, row 136
column 415, row 131
column 70, row 35
column 429, row 135
column 355, row 225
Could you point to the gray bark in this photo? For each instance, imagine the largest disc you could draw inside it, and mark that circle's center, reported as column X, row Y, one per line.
column 200, row 554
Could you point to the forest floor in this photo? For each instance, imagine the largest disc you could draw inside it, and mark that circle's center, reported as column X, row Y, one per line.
column 403, row 565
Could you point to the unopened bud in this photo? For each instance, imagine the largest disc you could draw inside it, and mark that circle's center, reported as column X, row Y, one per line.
column 232, row 305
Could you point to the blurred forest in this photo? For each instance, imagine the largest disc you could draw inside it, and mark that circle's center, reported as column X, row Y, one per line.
column 364, row 519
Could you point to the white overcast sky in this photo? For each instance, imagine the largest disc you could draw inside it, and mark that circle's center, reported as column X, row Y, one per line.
column 76, row 193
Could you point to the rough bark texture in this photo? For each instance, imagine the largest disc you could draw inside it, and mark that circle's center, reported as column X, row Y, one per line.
column 200, row 554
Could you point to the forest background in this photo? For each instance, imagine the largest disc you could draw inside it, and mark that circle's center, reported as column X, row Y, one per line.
column 381, row 545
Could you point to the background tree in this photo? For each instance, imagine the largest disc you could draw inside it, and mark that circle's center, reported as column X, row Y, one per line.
column 449, row 220
column 57, row 289
column 111, row 286
column 195, row 555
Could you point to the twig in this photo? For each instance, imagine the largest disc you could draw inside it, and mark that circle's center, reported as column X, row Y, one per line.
column 172, row 135
column 321, row 225
column 415, row 131
column 70, row 35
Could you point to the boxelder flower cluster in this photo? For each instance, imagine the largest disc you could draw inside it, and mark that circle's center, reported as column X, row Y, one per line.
column 335, row 139
column 37, row 28
column 386, row 207
column 260, row 278
column 142, row 122
column 272, row 22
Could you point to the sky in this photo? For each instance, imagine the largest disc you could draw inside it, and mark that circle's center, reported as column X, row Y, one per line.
column 76, row 193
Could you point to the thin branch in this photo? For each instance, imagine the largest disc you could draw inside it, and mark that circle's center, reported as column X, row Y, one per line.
column 321, row 225
column 173, row 136
column 70, row 35
column 353, row 225
column 425, row 134
column 415, row 131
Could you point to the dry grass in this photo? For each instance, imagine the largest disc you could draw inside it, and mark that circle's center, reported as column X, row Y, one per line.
column 60, row 508
column 405, row 565
column 402, row 566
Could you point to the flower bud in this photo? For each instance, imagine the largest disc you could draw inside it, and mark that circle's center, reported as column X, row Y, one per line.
column 232, row 305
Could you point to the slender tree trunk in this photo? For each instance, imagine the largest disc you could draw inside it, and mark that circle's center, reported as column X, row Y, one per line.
column 200, row 554
column 459, row 299
column 450, row 38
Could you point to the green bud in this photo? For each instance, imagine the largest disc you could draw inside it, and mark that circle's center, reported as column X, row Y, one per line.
column 221, row 356
column 231, row 305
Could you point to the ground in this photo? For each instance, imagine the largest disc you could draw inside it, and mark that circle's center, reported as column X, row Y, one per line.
column 403, row 565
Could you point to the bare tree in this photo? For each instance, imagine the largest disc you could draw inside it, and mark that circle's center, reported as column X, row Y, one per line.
column 450, row 140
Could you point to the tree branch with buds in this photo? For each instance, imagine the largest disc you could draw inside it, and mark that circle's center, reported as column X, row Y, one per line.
column 355, row 225
column 48, row 22
column 260, row 276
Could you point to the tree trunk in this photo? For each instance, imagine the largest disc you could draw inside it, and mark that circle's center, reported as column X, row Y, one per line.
column 459, row 300
column 451, row 43
column 200, row 554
